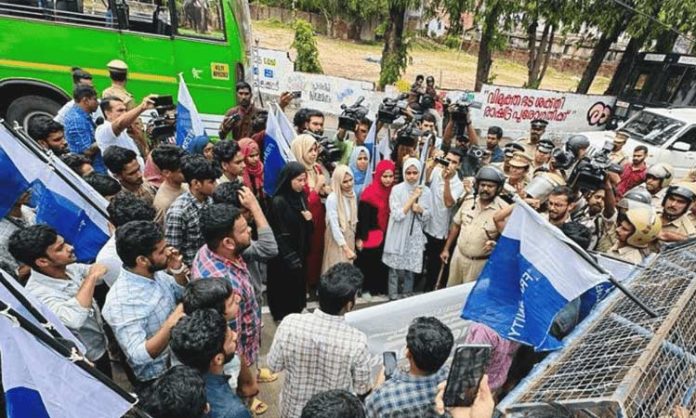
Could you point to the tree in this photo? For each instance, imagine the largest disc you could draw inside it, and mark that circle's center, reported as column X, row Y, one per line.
column 395, row 52
column 492, row 12
column 306, row 45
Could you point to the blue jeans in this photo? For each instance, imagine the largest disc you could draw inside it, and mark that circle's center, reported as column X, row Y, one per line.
column 400, row 281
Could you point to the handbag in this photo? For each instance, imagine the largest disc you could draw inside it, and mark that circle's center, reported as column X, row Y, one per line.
column 374, row 239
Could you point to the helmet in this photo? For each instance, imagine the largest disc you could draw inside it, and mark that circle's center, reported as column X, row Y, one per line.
column 684, row 190
column 647, row 226
column 661, row 171
column 562, row 159
column 636, row 197
column 577, row 142
column 492, row 174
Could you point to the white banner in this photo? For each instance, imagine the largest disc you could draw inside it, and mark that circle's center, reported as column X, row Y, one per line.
column 513, row 108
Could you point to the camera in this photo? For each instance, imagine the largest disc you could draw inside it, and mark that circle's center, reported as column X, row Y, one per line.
column 590, row 173
column 392, row 108
column 409, row 133
column 458, row 113
column 442, row 161
column 352, row 114
column 162, row 124
column 476, row 152
column 329, row 154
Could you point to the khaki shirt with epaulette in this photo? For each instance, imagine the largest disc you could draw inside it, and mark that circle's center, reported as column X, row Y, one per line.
column 476, row 225
column 682, row 225
column 121, row 93
column 511, row 189
column 618, row 157
column 626, row 253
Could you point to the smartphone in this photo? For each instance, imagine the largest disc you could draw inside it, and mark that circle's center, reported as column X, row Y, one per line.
column 163, row 101
column 442, row 161
column 296, row 94
column 468, row 367
column 389, row 364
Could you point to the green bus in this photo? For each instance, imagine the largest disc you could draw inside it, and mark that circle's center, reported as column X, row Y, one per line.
column 207, row 41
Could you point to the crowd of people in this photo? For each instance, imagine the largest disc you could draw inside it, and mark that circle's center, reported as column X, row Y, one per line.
column 199, row 245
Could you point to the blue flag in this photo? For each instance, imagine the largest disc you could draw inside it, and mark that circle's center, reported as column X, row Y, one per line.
column 40, row 383
column 276, row 152
column 531, row 275
column 58, row 203
column 189, row 125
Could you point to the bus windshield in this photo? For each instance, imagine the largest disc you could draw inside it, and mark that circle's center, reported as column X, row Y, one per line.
column 652, row 128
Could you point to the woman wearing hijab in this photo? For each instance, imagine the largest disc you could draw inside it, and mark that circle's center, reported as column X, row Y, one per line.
column 306, row 150
column 403, row 249
column 291, row 222
column 253, row 168
column 373, row 218
column 359, row 162
column 341, row 219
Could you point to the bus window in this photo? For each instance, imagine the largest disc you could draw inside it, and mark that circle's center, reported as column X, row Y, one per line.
column 670, row 84
column 200, row 19
column 66, row 11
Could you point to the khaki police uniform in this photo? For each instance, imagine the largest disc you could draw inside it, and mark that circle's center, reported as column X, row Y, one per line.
column 618, row 157
column 120, row 93
column 529, row 146
column 477, row 227
column 626, row 253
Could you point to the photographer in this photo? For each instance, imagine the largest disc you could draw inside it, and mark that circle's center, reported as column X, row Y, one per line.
column 446, row 188
column 118, row 119
column 345, row 145
column 495, row 133
column 596, row 212
column 428, row 126
column 310, row 120
column 459, row 125
column 238, row 119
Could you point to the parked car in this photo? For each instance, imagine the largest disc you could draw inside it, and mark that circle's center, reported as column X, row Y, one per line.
column 669, row 134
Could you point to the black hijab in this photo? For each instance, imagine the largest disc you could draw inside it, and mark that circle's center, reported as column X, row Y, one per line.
column 296, row 200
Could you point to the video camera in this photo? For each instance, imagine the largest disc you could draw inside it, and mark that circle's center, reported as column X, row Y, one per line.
column 590, row 173
column 352, row 114
column 409, row 133
column 392, row 108
column 162, row 124
column 458, row 112
column 329, row 154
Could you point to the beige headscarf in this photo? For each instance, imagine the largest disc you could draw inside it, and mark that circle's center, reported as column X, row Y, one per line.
column 345, row 220
column 300, row 147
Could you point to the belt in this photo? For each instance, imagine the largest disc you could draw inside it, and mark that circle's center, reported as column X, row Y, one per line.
column 483, row 257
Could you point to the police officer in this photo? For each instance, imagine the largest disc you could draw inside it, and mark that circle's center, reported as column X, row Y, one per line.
column 517, row 178
column 538, row 127
column 473, row 228
column 636, row 197
column 542, row 155
column 657, row 178
column 617, row 156
column 508, row 152
column 676, row 226
column 636, row 230
column 118, row 73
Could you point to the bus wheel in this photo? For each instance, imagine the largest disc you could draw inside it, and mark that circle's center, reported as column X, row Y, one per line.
column 25, row 108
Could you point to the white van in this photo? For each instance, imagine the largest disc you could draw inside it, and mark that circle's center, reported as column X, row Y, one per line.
column 669, row 134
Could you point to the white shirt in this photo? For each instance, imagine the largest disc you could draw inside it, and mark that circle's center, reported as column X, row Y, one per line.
column 438, row 226
column 110, row 259
column 105, row 137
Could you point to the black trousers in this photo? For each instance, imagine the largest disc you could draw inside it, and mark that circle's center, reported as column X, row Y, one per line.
column 433, row 248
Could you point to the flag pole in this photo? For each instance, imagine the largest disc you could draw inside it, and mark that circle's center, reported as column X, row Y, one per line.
column 613, row 281
column 29, row 143
column 421, row 180
column 593, row 262
column 81, row 362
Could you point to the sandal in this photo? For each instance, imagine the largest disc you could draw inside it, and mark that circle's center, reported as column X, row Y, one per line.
column 258, row 407
column 266, row 376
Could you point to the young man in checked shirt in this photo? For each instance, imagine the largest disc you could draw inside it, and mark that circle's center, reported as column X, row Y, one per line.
column 318, row 351
column 428, row 344
column 227, row 237
column 141, row 306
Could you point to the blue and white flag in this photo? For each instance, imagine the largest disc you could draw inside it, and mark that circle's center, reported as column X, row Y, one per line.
column 40, row 383
column 7, row 296
column 531, row 275
column 284, row 124
column 189, row 125
column 276, row 152
column 374, row 154
column 58, row 204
